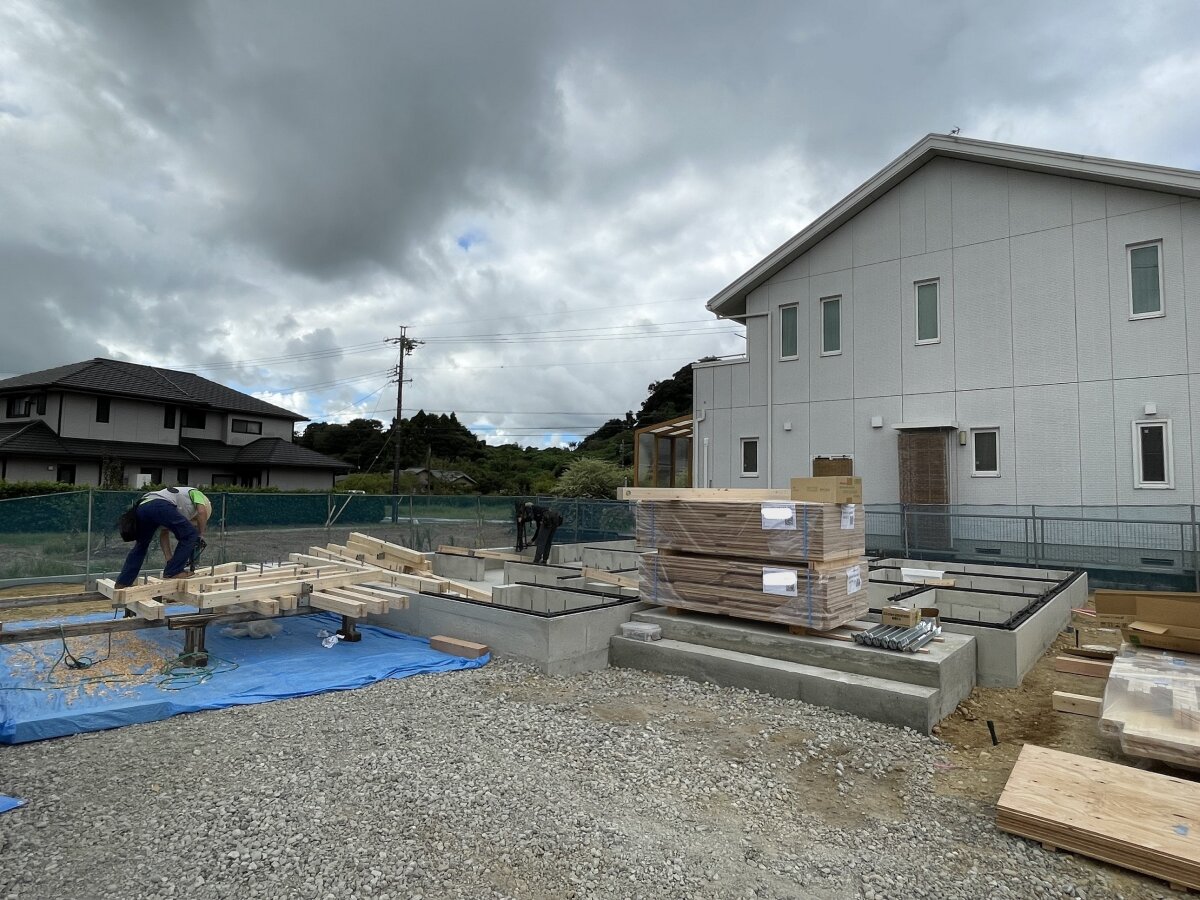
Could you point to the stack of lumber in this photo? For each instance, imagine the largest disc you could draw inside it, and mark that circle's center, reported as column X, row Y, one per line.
column 1152, row 705
column 384, row 554
column 740, row 555
column 808, row 531
column 397, row 572
column 1124, row 816
column 817, row 599
column 332, row 585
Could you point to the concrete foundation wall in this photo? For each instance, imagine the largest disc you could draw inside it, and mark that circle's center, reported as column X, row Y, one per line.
column 557, row 646
column 463, row 568
column 609, row 559
column 549, row 575
column 561, row 554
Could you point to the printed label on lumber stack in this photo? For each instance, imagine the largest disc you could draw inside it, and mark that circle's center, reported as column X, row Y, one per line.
column 763, row 590
column 784, row 531
column 1152, row 705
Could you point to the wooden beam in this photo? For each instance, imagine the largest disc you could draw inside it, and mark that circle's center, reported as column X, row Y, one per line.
column 125, row 596
column 1078, row 704
column 339, row 605
column 147, row 609
column 405, row 553
column 373, row 604
column 458, row 647
column 503, row 555
column 1093, row 668
column 471, row 593
column 451, row 550
column 625, row 581
column 752, row 495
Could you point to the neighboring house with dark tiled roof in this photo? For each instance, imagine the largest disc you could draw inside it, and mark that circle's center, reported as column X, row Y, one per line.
column 72, row 422
column 425, row 477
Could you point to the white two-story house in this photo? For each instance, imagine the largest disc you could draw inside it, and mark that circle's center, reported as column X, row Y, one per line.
column 978, row 323
column 79, row 422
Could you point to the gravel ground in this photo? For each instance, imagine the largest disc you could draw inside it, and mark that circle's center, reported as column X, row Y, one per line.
column 500, row 782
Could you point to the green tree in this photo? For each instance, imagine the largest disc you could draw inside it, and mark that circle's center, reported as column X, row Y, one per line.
column 593, row 479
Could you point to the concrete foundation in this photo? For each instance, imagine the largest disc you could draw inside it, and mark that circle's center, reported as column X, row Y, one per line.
column 1013, row 613
column 609, row 559
column 948, row 667
column 565, row 554
column 557, row 645
column 460, row 568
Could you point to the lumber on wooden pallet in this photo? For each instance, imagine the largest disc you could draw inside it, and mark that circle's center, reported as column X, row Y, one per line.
column 1079, row 704
column 791, row 595
column 1077, row 665
column 783, row 531
column 1130, row 818
column 617, row 578
column 457, row 647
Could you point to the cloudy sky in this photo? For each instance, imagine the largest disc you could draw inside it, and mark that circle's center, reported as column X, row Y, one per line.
column 545, row 193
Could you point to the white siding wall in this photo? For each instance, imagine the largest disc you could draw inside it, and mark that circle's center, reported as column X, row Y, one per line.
column 128, row 420
column 271, row 428
column 1035, row 339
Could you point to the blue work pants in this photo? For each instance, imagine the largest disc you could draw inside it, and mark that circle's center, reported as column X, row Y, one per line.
column 150, row 517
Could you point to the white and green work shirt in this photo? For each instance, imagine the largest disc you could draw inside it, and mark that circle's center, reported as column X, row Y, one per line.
column 186, row 498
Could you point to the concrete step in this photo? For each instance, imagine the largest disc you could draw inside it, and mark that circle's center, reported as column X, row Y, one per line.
column 880, row 699
column 949, row 665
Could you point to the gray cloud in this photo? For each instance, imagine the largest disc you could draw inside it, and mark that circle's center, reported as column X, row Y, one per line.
column 247, row 187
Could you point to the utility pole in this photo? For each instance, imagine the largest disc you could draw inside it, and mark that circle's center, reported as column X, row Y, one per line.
column 407, row 345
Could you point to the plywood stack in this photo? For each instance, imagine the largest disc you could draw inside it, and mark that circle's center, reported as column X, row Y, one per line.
column 787, row 561
column 1152, row 705
column 1117, row 814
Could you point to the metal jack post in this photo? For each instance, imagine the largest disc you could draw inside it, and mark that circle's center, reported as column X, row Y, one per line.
column 348, row 631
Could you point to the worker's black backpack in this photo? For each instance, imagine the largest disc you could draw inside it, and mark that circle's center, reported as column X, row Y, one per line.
column 127, row 524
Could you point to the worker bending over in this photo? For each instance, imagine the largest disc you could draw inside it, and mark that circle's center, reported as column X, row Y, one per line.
column 546, row 521
column 183, row 511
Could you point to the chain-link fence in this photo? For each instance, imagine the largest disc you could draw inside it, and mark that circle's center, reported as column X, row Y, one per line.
column 74, row 534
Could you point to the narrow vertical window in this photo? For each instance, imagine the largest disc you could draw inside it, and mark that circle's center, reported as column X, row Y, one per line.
column 102, row 409
column 1145, row 281
column 749, row 456
column 169, row 418
column 789, row 335
column 1153, row 465
column 928, row 324
column 831, row 326
column 986, row 449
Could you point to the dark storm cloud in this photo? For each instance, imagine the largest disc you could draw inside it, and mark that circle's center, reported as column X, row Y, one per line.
column 251, row 186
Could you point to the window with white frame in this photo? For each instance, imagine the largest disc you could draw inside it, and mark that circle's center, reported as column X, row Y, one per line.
column 985, row 452
column 789, row 332
column 831, row 326
column 749, row 456
column 1145, row 280
column 928, row 316
column 1153, row 465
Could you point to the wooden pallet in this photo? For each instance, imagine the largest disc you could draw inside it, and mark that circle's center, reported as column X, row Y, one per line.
column 736, row 530
column 1130, row 818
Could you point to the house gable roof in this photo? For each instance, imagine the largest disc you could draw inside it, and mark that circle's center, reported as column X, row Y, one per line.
column 38, row 439
column 119, row 378
column 730, row 302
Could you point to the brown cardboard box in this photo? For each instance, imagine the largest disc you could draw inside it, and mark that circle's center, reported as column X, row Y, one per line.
column 1123, row 607
column 830, row 489
column 1163, row 637
column 901, row 616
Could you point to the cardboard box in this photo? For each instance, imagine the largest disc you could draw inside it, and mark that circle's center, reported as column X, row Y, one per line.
column 830, row 489
column 1163, row 637
column 1124, row 607
column 901, row 616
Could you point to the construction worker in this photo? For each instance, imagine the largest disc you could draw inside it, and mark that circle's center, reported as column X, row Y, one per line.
column 184, row 512
column 547, row 522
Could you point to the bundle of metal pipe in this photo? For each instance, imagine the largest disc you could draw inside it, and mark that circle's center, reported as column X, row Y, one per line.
column 897, row 637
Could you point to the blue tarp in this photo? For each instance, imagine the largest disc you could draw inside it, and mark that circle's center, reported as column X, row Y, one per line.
column 36, row 703
column 7, row 803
